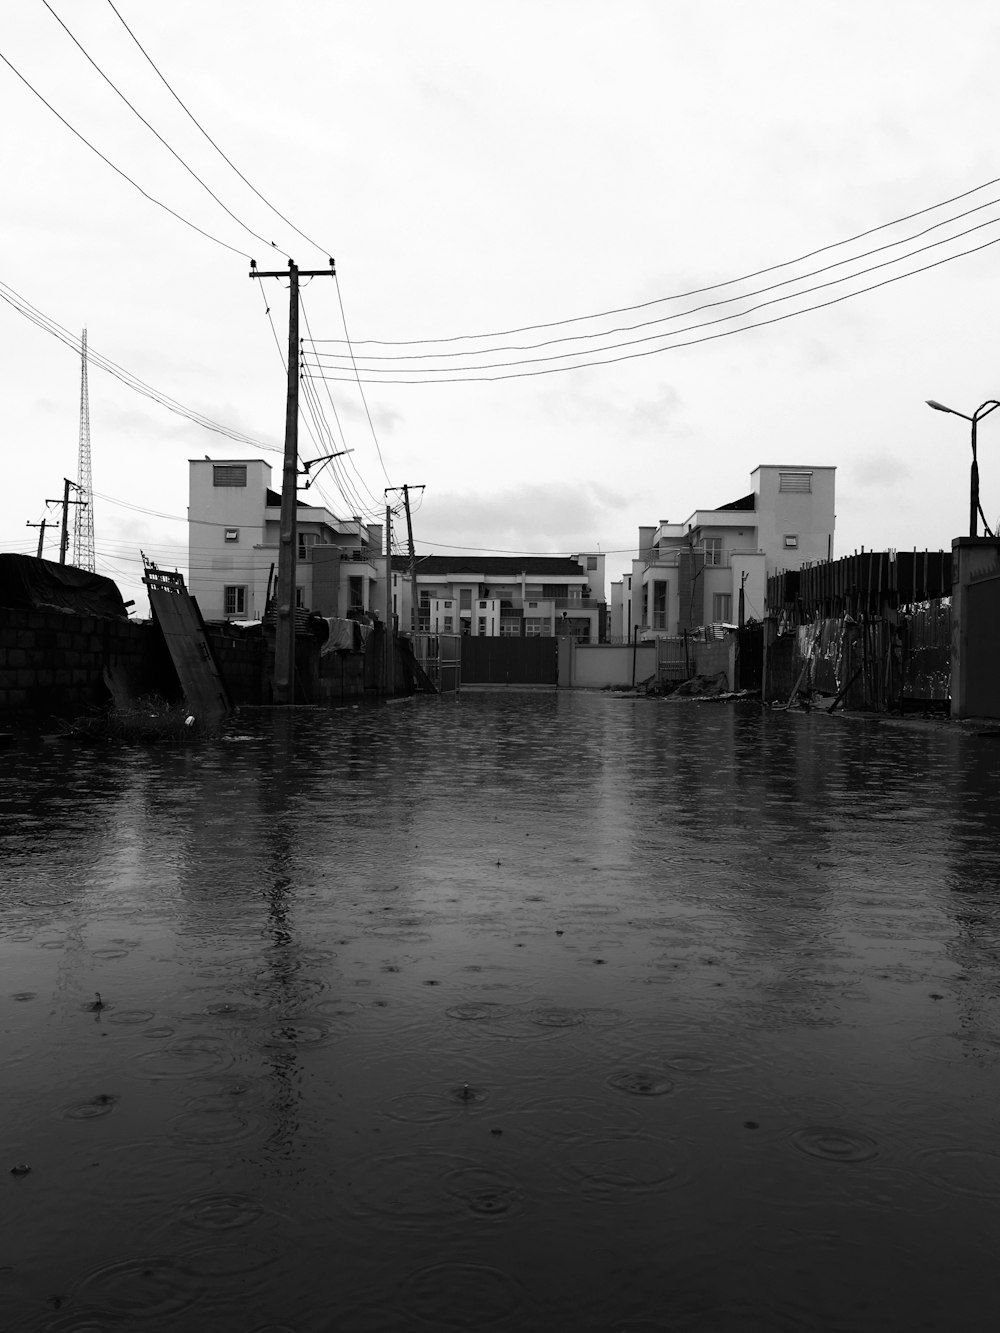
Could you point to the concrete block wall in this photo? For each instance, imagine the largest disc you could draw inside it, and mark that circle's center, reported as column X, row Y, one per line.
column 245, row 664
column 708, row 659
column 52, row 663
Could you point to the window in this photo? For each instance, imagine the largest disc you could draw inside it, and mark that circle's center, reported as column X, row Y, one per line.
column 234, row 600
column 356, row 594
column 510, row 627
column 795, row 483
column 449, row 605
column 449, row 624
column 533, row 605
column 660, row 588
column 232, row 534
column 306, row 539
column 534, row 627
column 229, row 474
column 712, row 547
column 722, row 607
column 464, row 599
column 791, row 541
column 482, row 624
column 482, row 606
column 591, row 562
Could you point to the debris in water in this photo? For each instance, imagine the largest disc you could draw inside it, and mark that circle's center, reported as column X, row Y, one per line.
column 98, row 1002
column 22, row 1169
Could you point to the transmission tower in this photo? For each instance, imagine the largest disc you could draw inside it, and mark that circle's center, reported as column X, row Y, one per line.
column 83, row 523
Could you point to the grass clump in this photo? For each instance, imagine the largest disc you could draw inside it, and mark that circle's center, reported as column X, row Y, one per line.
column 150, row 720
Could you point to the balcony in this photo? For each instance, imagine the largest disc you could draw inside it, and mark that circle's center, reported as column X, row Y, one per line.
column 703, row 559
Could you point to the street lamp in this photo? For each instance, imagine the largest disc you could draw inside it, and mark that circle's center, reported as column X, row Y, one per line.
column 983, row 410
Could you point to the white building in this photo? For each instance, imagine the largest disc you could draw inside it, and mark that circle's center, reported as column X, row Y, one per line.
column 691, row 574
column 233, row 530
column 516, row 596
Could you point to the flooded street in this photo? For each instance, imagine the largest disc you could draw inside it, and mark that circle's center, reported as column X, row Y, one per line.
column 510, row 1012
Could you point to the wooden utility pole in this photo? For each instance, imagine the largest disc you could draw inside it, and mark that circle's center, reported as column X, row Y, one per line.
column 284, row 637
column 65, row 502
column 388, row 654
column 412, row 549
column 41, row 535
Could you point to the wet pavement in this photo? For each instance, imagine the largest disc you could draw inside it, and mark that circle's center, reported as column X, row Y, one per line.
column 510, row 1012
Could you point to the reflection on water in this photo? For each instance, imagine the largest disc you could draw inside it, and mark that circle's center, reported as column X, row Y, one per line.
column 505, row 1012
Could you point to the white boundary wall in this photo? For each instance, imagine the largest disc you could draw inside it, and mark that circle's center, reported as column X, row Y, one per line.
column 595, row 666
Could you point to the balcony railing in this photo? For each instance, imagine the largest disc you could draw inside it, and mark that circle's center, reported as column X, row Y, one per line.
column 705, row 559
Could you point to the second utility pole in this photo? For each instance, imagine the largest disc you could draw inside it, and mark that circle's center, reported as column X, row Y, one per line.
column 284, row 635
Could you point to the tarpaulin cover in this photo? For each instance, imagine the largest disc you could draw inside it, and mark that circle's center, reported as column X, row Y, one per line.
column 42, row 585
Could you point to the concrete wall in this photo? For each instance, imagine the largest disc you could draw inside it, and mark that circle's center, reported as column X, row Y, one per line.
column 975, row 627
column 713, row 657
column 598, row 666
column 52, row 663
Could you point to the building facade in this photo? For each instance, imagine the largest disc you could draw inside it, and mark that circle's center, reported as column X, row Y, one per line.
column 233, row 533
column 510, row 596
column 693, row 574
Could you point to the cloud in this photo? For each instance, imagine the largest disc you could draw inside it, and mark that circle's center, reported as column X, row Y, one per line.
column 881, row 469
column 544, row 517
column 622, row 414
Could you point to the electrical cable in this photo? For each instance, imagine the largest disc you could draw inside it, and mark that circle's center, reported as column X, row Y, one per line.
column 833, row 282
column 336, row 417
column 695, row 291
column 664, row 319
column 145, row 194
column 371, row 424
column 191, row 172
column 690, row 342
column 49, row 325
column 199, row 126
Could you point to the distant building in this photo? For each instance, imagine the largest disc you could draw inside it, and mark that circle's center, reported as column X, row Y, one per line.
column 517, row 596
column 690, row 574
column 233, row 529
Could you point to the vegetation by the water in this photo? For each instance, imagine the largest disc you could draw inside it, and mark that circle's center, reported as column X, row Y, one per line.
column 150, row 720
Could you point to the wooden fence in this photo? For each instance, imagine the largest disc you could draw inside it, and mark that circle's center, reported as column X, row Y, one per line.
column 866, row 583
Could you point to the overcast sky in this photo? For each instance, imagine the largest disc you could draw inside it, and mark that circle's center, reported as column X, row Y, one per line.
column 556, row 177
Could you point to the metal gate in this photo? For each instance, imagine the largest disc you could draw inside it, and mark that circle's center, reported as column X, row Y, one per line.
column 749, row 657
column 672, row 663
column 507, row 661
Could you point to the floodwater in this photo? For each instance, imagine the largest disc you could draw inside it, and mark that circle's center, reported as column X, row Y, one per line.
column 510, row 1012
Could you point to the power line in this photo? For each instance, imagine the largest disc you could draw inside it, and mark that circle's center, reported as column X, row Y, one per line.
column 336, row 416
column 190, row 170
column 199, row 126
column 49, row 325
column 107, row 161
column 371, row 424
column 695, row 291
column 664, row 319
column 789, row 296
column 690, row 342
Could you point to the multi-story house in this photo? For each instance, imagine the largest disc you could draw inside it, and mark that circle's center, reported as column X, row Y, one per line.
column 233, row 530
column 515, row 596
column 692, row 574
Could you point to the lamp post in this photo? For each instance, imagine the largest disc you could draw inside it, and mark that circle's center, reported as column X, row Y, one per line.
column 983, row 410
